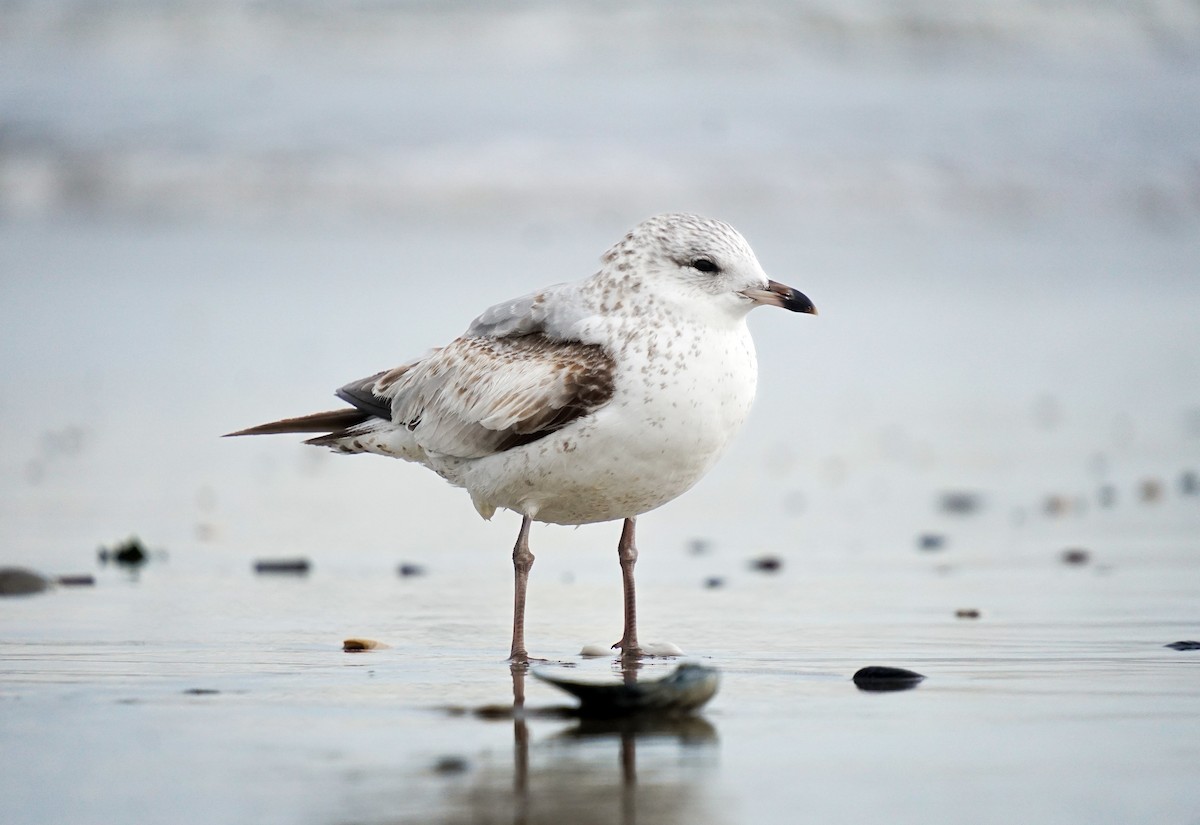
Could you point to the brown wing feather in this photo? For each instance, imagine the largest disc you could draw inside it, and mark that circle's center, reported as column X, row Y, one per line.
column 323, row 422
column 474, row 397
column 480, row 396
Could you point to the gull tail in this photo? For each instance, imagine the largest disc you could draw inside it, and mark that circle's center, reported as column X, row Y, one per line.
column 333, row 423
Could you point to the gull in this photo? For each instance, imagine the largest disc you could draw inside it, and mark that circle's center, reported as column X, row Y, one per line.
column 584, row 402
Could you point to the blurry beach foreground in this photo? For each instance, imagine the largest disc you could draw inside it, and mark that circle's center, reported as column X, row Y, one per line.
column 212, row 214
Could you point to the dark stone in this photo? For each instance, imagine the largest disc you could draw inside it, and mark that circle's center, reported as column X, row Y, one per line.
column 201, row 692
column 296, row 566
column 767, row 564
column 931, row 541
column 450, row 765
column 408, row 569
column 1189, row 483
column 1151, row 490
column 129, row 553
column 17, row 581
column 713, row 582
column 881, row 678
column 960, row 502
column 1056, row 505
column 1186, row 645
column 967, row 613
column 1075, row 555
column 77, row 580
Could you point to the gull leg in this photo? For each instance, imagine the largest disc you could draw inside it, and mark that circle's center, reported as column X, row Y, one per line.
column 628, row 554
column 522, row 562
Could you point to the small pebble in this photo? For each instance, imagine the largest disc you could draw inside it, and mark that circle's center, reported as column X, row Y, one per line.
column 494, row 712
column 76, row 580
column 713, row 582
column 1075, row 555
column 359, row 645
column 767, row 564
column 17, row 581
column 296, row 566
column 129, row 553
column 1185, row 645
column 960, row 502
column 881, row 678
column 407, row 570
column 201, row 692
column 698, row 547
column 447, row 765
column 1189, row 483
column 1151, row 490
column 967, row 613
column 595, row 651
column 1056, row 505
column 931, row 541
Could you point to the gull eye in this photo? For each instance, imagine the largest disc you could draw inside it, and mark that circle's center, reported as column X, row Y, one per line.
column 705, row 265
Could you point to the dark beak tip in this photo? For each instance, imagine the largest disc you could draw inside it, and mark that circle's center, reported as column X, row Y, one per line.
column 799, row 302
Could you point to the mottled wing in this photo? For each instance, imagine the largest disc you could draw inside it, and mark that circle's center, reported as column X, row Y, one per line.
column 481, row 395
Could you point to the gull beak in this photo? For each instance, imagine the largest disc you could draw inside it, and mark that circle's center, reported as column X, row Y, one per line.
column 780, row 295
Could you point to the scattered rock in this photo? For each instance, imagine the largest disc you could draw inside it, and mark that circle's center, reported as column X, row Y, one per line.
column 296, row 566
column 767, row 564
column 1151, row 490
column 76, row 580
column 1189, row 483
column 129, row 553
column 449, row 765
column 493, row 712
column 960, row 502
column 360, row 645
column 1186, row 645
column 1056, row 505
column 931, row 541
column 17, row 581
column 967, row 613
column 713, row 582
column 407, row 569
column 882, row 678
column 1075, row 555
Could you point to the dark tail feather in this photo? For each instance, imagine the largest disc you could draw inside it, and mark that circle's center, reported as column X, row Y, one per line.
column 323, row 422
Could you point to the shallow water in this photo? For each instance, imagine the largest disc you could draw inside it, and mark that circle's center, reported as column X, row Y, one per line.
column 1059, row 704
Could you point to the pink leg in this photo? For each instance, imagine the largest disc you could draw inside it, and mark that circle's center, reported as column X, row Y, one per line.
column 627, row 553
column 522, row 562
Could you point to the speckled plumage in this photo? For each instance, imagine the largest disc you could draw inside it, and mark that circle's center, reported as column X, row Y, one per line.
column 583, row 402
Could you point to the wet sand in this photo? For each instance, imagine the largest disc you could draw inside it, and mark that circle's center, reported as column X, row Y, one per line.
column 202, row 694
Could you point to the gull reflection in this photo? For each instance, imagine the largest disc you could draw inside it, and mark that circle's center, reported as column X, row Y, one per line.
column 647, row 768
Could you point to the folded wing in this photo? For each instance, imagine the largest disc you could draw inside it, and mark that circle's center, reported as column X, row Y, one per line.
column 479, row 396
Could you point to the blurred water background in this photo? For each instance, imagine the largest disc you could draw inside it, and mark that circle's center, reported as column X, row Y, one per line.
column 214, row 213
